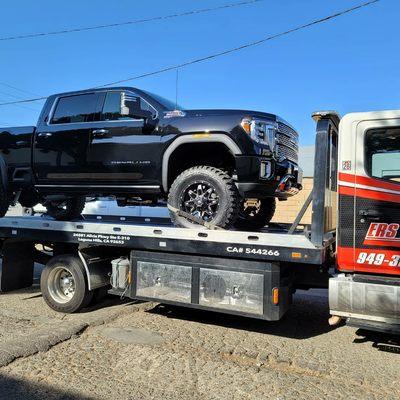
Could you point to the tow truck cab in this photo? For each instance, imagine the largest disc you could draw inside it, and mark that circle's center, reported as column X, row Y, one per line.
column 366, row 291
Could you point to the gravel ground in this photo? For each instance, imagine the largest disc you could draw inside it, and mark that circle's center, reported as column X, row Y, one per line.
column 164, row 352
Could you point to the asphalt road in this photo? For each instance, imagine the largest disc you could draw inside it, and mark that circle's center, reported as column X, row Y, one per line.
column 148, row 351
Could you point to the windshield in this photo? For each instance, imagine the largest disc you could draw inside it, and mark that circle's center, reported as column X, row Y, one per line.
column 168, row 104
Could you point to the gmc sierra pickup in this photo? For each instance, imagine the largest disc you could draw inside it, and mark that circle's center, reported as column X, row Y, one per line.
column 226, row 167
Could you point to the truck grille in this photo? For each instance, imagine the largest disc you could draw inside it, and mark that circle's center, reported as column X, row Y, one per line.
column 287, row 153
column 287, row 143
column 287, row 130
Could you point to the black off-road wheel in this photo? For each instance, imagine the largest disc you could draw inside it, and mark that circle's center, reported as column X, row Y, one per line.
column 254, row 214
column 206, row 193
column 67, row 209
column 64, row 285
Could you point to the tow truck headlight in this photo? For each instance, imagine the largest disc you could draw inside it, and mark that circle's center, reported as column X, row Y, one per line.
column 262, row 132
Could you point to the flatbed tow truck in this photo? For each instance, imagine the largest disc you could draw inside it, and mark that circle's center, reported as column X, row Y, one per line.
column 351, row 247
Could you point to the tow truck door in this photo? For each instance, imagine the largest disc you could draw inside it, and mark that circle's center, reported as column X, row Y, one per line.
column 377, row 195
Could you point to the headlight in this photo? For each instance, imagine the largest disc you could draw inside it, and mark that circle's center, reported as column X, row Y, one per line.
column 260, row 131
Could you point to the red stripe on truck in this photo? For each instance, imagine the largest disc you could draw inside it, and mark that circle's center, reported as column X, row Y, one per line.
column 369, row 260
column 374, row 182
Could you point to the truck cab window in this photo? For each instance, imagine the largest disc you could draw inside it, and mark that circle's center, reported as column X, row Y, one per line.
column 73, row 109
column 124, row 106
column 382, row 148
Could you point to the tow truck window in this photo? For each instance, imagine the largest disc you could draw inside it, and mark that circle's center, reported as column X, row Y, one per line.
column 113, row 103
column 382, row 148
column 73, row 109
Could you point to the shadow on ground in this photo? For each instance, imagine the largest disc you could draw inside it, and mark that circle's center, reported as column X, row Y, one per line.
column 308, row 317
column 15, row 389
column 389, row 343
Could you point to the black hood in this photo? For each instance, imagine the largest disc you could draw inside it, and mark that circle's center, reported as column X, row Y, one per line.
column 222, row 112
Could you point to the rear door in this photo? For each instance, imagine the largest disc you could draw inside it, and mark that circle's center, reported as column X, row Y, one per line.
column 61, row 145
column 377, row 197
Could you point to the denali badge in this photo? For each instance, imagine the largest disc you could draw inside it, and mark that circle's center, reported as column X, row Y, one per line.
column 175, row 113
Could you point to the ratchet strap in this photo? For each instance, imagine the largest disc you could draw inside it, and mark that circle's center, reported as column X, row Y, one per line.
column 192, row 218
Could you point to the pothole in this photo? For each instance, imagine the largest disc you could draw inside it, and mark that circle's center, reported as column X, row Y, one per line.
column 131, row 335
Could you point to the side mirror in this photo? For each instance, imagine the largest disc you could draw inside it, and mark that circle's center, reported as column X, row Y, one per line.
column 130, row 107
column 142, row 114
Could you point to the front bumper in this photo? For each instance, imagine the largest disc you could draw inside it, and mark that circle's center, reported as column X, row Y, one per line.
column 283, row 181
column 366, row 301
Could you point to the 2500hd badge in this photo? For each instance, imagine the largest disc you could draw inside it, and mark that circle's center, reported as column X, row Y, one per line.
column 252, row 250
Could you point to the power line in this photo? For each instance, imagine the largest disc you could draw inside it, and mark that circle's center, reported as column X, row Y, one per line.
column 18, row 89
column 134, row 22
column 26, row 107
column 18, row 97
column 225, row 52
column 245, row 46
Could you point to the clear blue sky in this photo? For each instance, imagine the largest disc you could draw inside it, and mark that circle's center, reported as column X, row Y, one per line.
column 349, row 64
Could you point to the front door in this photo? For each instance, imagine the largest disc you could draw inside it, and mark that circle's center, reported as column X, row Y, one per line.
column 127, row 150
column 377, row 197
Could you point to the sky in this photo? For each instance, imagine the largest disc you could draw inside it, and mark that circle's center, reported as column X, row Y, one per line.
column 349, row 64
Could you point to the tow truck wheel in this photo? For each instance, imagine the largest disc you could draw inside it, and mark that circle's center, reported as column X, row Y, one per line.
column 64, row 285
column 255, row 213
column 207, row 194
column 66, row 210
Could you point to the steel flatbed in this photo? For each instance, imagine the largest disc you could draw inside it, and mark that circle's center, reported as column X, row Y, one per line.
column 275, row 245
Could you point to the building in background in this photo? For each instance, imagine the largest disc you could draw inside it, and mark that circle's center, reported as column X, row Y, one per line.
column 286, row 211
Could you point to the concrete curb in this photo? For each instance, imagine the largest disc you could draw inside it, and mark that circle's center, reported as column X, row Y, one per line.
column 40, row 340
column 44, row 338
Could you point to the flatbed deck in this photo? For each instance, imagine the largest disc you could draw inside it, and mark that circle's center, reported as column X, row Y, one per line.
column 271, row 244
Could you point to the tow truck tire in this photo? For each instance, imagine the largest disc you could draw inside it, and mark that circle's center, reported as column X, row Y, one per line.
column 64, row 285
column 254, row 218
column 211, row 185
column 66, row 210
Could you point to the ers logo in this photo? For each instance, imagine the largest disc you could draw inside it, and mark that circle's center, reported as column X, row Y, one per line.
column 382, row 231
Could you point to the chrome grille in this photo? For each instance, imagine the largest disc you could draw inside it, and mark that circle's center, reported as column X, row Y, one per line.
column 287, row 130
column 286, row 152
column 287, row 143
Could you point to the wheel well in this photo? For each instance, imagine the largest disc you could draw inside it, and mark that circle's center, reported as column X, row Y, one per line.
column 191, row 154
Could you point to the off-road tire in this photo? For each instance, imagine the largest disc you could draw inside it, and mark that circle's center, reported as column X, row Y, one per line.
column 73, row 209
column 260, row 219
column 81, row 297
column 229, row 198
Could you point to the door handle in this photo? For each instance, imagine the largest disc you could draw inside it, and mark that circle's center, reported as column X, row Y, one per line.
column 45, row 134
column 100, row 132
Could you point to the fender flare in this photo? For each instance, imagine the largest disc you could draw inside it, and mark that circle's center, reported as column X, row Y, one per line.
column 210, row 138
column 97, row 272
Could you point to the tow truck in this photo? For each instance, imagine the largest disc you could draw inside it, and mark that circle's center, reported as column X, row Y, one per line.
column 351, row 247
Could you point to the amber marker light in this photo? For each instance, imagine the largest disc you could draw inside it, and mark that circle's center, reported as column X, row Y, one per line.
column 201, row 135
column 246, row 125
column 275, row 296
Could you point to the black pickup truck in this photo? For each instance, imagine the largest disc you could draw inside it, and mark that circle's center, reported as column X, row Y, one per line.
column 224, row 167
